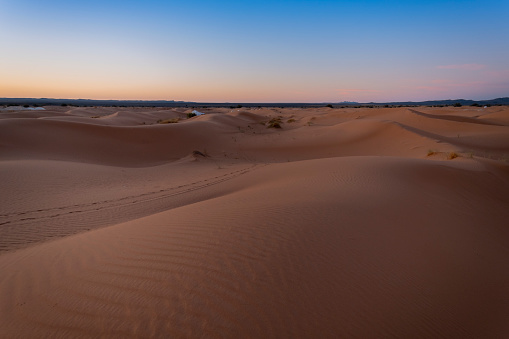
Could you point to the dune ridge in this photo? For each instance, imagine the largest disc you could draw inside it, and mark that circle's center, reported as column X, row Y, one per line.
column 343, row 223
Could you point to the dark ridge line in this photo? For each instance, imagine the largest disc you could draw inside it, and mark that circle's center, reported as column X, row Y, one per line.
column 193, row 104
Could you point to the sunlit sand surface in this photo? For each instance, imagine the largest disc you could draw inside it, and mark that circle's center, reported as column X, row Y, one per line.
column 343, row 223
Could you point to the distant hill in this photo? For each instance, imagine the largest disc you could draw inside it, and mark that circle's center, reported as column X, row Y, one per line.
column 86, row 102
column 464, row 102
column 173, row 103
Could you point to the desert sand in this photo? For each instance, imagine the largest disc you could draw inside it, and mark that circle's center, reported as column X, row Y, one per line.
column 343, row 223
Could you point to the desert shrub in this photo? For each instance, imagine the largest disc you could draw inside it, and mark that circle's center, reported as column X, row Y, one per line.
column 431, row 152
column 291, row 120
column 329, row 105
column 458, row 104
column 452, row 155
column 63, row 105
column 274, row 123
column 475, row 104
column 190, row 115
column 168, row 121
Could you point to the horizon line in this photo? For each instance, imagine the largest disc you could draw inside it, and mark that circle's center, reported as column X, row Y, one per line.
column 246, row 102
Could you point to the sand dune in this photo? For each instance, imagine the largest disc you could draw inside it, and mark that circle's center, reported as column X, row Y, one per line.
column 350, row 223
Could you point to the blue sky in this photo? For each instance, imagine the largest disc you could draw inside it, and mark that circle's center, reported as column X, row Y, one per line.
column 242, row 51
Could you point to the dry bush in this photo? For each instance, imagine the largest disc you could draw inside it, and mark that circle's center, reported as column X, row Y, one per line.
column 274, row 123
column 452, row 155
column 168, row 121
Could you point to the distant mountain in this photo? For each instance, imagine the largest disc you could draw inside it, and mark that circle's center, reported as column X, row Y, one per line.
column 86, row 102
column 173, row 103
column 464, row 102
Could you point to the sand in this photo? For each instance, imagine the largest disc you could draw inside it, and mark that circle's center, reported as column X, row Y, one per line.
column 344, row 223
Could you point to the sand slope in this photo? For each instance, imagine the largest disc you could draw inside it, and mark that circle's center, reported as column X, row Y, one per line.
column 340, row 224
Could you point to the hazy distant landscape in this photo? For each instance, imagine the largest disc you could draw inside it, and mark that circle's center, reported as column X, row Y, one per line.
column 172, row 103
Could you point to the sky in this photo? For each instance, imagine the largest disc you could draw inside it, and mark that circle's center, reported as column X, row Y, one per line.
column 255, row 51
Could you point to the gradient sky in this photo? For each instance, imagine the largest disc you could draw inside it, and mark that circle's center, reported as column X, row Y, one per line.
column 255, row 51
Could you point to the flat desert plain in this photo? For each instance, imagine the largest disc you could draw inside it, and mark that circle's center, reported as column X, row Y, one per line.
column 343, row 223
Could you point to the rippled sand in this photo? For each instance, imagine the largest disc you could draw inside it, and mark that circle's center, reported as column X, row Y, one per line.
column 363, row 223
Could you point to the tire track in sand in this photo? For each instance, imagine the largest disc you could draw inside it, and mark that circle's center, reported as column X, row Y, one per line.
column 24, row 228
